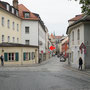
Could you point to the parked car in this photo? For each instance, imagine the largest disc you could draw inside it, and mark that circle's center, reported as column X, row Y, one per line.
column 58, row 55
column 62, row 59
column 53, row 54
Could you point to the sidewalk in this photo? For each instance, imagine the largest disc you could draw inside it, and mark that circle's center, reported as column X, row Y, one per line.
column 24, row 67
column 86, row 72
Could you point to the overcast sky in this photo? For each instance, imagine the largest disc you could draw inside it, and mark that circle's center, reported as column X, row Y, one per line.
column 54, row 13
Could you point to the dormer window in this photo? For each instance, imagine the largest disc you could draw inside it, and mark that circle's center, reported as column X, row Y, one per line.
column 13, row 10
column 17, row 12
column 7, row 7
column 26, row 15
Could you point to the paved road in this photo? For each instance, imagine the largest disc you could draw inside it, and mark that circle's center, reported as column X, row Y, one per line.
column 47, row 76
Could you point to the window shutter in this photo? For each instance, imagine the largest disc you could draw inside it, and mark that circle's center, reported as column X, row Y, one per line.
column 5, row 57
column 17, row 56
column 24, row 56
column 29, row 56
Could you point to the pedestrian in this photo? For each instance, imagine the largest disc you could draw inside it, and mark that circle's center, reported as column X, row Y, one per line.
column 2, row 60
column 80, row 63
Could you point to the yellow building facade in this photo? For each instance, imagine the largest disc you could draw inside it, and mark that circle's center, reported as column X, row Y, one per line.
column 13, row 51
column 10, row 27
column 18, row 54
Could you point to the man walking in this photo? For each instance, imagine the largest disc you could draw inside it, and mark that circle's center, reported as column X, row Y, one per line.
column 2, row 60
column 80, row 63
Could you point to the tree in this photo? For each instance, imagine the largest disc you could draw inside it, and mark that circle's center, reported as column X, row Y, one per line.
column 85, row 6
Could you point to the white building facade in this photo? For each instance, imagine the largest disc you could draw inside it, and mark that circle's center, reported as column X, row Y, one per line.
column 76, row 38
column 32, row 29
column 29, row 32
column 42, row 39
column 78, row 34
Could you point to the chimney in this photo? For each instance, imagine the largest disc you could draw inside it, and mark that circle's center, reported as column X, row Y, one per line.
column 15, row 4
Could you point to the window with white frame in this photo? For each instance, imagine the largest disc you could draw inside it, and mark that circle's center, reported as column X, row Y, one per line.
column 78, row 34
column 27, row 30
column 11, row 56
column 27, row 15
column 33, row 55
column 13, row 25
column 17, row 40
column 2, row 38
column 13, row 10
column 8, row 7
column 17, row 12
column 27, row 42
column 2, row 21
column 17, row 27
column 73, row 36
column 13, row 39
column 8, row 38
column 8, row 23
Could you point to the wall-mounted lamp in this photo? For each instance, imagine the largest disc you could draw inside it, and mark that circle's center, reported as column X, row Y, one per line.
column 2, row 50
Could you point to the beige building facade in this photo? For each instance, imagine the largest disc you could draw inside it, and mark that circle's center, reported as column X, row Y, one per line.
column 13, row 51
column 10, row 26
column 19, row 54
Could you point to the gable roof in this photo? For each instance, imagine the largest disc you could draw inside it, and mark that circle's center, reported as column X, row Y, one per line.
column 85, row 18
column 22, row 9
column 3, row 6
column 77, row 17
column 33, row 16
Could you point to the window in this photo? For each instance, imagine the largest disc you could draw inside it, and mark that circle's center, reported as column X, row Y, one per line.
column 27, row 30
column 13, row 39
column 8, row 38
column 11, row 56
column 2, row 38
column 73, row 36
column 27, row 15
column 2, row 21
column 13, row 10
column 72, row 56
column 27, row 56
column 78, row 34
column 8, row 23
column 27, row 42
column 33, row 55
column 16, row 12
column 17, row 40
column 7, row 7
column 17, row 27
column 13, row 25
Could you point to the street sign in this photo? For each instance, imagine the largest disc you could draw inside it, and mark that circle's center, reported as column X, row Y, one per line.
column 42, row 52
column 52, row 48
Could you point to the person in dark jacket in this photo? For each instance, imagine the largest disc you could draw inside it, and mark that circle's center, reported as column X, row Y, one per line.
column 80, row 63
column 2, row 60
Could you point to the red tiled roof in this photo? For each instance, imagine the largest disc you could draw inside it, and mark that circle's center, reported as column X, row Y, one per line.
column 52, row 36
column 2, row 6
column 77, row 17
column 58, row 37
column 22, row 9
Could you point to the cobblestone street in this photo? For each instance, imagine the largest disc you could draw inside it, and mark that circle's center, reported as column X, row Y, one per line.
column 50, row 75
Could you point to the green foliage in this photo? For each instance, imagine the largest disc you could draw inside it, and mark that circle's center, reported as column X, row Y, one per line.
column 85, row 6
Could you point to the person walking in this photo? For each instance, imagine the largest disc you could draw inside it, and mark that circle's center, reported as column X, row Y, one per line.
column 80, row 63
column 2, row 60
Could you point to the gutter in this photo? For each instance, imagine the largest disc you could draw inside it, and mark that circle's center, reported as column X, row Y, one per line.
column 83, row 19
